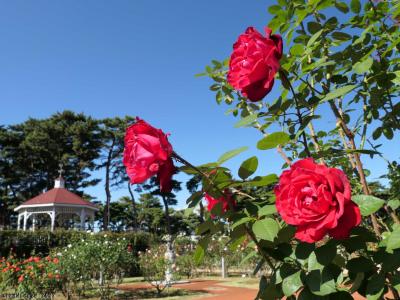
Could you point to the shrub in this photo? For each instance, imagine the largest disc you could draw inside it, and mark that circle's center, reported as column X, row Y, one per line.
column 32, row 277
column 153, row 265
column 96, row 257
column 26, row 243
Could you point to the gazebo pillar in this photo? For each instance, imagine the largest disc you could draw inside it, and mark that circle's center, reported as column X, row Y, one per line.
column 53, row 220
column 25, row 219
column 19, row 222
column 83, row 218
column 33, row 222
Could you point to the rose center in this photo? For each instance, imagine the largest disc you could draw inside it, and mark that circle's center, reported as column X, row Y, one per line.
column 310, row 195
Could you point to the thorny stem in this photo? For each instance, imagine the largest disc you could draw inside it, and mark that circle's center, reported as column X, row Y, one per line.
column 359, row 166
column 315, row 140
column 299, row 116
column 350, row 137
column 248, row 230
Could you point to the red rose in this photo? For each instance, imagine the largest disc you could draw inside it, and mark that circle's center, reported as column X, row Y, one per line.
column 225, row 201
column 317, row 200
column 254, row 63
column 147, row 153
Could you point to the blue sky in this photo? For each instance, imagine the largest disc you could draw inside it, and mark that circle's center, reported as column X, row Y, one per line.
column 135, row 57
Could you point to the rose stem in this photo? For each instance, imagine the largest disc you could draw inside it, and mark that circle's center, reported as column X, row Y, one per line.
column 360, row 170
column 232, row 208
column 299, row 116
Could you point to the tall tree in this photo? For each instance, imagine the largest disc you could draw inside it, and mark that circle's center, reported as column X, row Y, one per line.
column 32, row 151
column 168, row 199
column 112, row 137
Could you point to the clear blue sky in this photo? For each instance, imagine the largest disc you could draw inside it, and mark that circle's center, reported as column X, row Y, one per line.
column 136, row 57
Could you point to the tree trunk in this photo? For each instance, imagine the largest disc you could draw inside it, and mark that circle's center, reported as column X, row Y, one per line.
column 165, row 201
column 106, row 215
column 134, row 215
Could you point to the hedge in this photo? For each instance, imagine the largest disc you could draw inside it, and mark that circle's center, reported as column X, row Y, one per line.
column 26, row 243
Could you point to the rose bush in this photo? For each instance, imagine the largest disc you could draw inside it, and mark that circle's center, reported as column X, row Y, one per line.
column 322, row 230
column 31, row 277
column 319, row 230
column 317, row 200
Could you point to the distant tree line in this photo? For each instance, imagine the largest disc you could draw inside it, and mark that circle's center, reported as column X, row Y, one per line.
column 31, row 152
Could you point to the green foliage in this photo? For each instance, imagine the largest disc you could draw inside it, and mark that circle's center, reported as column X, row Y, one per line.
column 26, row 243
column 368, row 204
column 340, row 67
column 95, row 257
column 273, row 140
column 33, row 277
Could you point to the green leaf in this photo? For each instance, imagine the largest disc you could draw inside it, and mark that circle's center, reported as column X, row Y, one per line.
column 341, row 36
column 194, row 199
column 394, row 240
column 248, row 167
column 339, row 92
column 273, row 140
column 360, row 265
column 246, row 121
column 368, row 204
column 205, row 226
column 263, row 180
column 313, row 27
column 198, row 254
column 292, row 284
column 230, row 154
column 267, row 210
column 303, row 250
column 266, row 229
column 313, row 38
column 355, row 6
column 388, row 133
column 321, row 282
column 242, row 221
column 297, row 50
column 363, row 66
column 286, row 234
column 375, row 286
column 274, row 9
column 377, row 133
column 342, row 7
column 326, row 253
column 394, row 204
column 357, row 282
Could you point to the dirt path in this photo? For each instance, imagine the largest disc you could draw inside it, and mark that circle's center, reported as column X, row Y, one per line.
column 212, row 289
column 217, row 290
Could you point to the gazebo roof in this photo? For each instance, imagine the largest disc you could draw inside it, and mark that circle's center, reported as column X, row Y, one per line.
column 58, row 196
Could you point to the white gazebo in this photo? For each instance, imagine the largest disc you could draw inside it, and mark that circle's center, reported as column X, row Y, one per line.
column 55, row 202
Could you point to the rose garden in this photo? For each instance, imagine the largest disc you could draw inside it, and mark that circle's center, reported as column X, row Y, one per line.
column 322, row 227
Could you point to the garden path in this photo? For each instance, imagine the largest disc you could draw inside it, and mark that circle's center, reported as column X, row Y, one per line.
column 212, row 289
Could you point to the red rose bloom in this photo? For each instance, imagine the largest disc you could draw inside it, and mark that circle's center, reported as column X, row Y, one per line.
column 147, row 153
column 224, row 200
column 254, row 63
column 317, row 200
